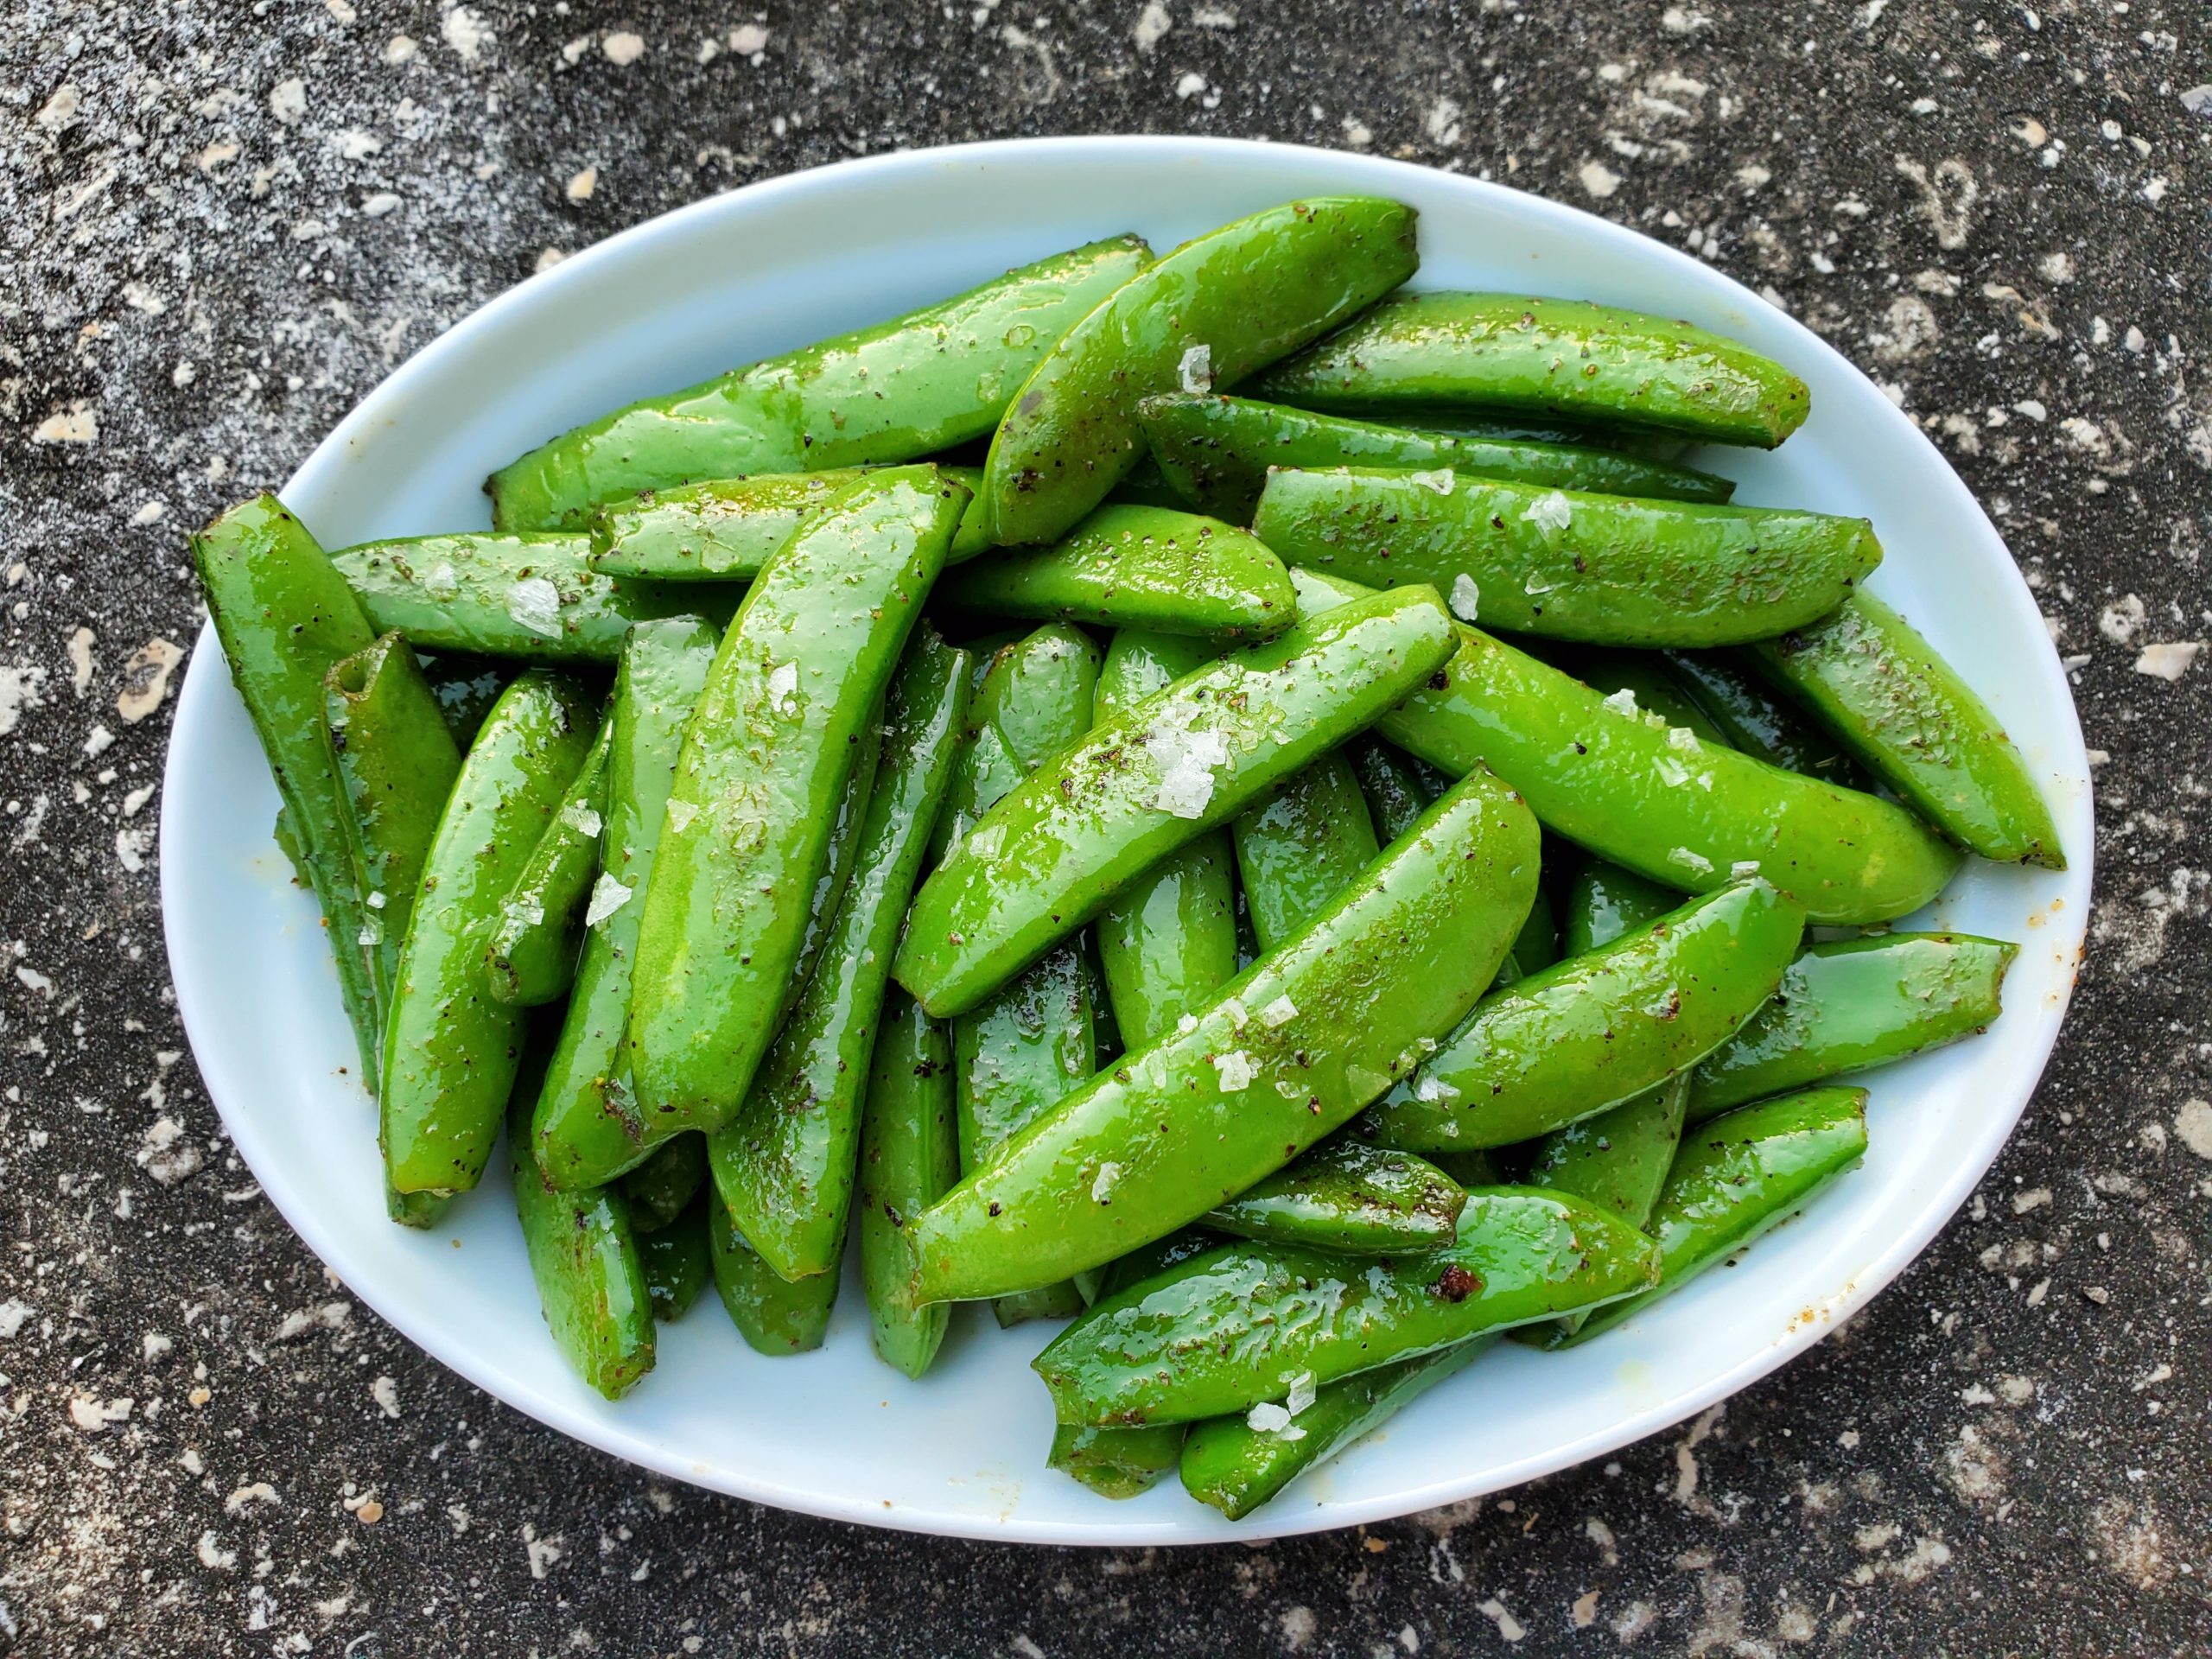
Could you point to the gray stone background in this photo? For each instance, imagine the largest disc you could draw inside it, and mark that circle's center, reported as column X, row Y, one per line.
column 223, row 223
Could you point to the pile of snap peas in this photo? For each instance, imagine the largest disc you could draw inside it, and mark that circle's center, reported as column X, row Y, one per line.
column 1270, row 816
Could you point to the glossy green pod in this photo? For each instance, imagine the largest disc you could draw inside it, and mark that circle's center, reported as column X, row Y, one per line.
column 1290, row 1049
column 1631, row 789
column 1212, row 311
column 1168, row 942
column 1301, row 846
column 1753, row 716
column 909, row 1156
column 1088, row 822
column 1249, row 1324
column 1396, row 795
column 1116, row 1463
column 845, row 825
column 774, row 1315
column 588, row 1128
column 783, row 1164
column 1565, row 565
column 661, row 1187
column 1343, row 1196
column 678, row 1261
column 766, row 756
column 1235, row 1468
column 398, row 762
column 1884, row 693
column 1735, row 1177
column 1007, row 720
column 532, row 955
column 1547, row 357
column 1845, row 1005
column 1588, row 1032
column 1604, row 901
column 466, row 688
column 725, row 529
column 451, row 1050
column 285, row 618
column 1649, row 687
column 591, row 1277
column 1535, row 947
column 1137, row 566
column 894, row 391
column 1218, row 451
column 522, row 598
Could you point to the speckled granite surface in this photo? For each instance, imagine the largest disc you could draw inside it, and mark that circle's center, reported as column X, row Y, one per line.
column 223, row 224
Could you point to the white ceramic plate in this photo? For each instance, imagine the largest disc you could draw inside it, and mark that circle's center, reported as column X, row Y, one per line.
column 836, row 1432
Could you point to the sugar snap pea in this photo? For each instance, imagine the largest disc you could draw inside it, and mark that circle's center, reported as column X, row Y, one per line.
column 775, row 1315
column 1343, row 1196
column 1396, row 795
column 531, row 598
column 1289, row 1050
column 1735, row 1177
column 1251, row 1324
column 1587, row 1032
column 661, row 1187
column 783, row 1164
column 532, row 955
column 1753, row 716
column 1845, row 1005
column 823, row 904
column 896, row 392
column 1604, row 901
column 1644, row 676
column 1139, row 567
column 1299, row 847
column 909, row 1155
column 1086, row 824
column 1634, row 789
column 466, row 688
column 451, row 1050
column 1217, row 451
column 678, row 1261
column 1535, row 946
column 588, row 1128
column 1212, row 311
column 766, row 756
column 1236, row 1468
column 398, row 762
column 285, row 617
column 1567, row 565
column 1548, row 358
column 1007, row 721
column 1884, row 694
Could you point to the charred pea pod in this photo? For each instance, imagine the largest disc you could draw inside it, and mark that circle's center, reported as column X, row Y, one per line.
column 532, row 955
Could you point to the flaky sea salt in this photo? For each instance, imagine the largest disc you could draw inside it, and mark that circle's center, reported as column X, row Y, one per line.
column 1187, row 760
column 1185, row 1025
column 1427, row 1088
column 783, row 688
column 1103, row 1188
column 1623, row 703
column 1744, row 868
column 1550, row 513
column 1281, row 1012
column 582, row 819
column 607, row 896
column 1268, row 1418
column 1196, row 369
column 680, row 814
column 1467, row 598
column 1233, row 1010
column 376, row 900
column 1236, row 1070
column 1440, row 480
column 536, row 604
column 441, row 581
column 1302, row 1393
column 1682, row 740
column 1696, row 863
column 1672, row 773
column 528, row 911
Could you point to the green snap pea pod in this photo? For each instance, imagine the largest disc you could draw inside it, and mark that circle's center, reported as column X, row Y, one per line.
column 590, row 1274
column 1735, row 1177
column 284, row 618
column 765, row 756
column 1549, row 357
column 1033, row 697
column 1753, row 716
column 1469, row 1166
column 1604, row 901
column 1395, row 794
column 1300, row 848
column 1212, row 311
column 466, row 688
column 909, row 1154
column 1535, row 947
column 1343, row 1196
column 1649, row 687
column 1154, row 777
column 1105, row 1029
column 1634, row 789
column 895, row 391
column 1138, row 566
column 1217, row 452
column 1645, row 442
column 775, row 1315
column 417, row 1210
column 1882, row 691
column 661, row 1187
column 1567, row 565
column 532, row 955
column 1290, row 1049
column 1252, row 1323
column 1236, row 1468
column 1847, row 1005
column 678, row 1261
column 587, row 1126
column 1587, row 1032
column 837, row 869
column 398, row 763
column 1144, row 485
column 531, row 598
column 451, row 1050
column 725, row 529
column 783, row 1164
column 1169, row 941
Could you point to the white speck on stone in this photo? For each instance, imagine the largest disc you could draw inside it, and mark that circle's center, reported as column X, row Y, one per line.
column 382, row 202
column 153, row 1347
column 581, row 185
column 91, row 1415
column 535, row 603
column 1743, row 869
column 77, row 424
column 749, row 38
column 245, row 1498
column 146, row 679
column 1439, row 479
column 400, row 48
column 622, row 47
column 544, row 1552
column 58, row 112
column 20, row 688
column 288, row 101
column 1279, row 1012
column 2193, row 1123
column 467, row 32
column 1550, row 513
column 1623, row 703
column 607, row 896
column 1599, row 180
column 1195, row 370
column 2169, row 660
column 1695, row 863
column 1187, row 760
column 1467, row 599
column 386, row 1392
column 97, row 741
column 1152, row 23
column 12, row 1318
column 1507, row 1626
column 212, row 1555
column 1268, row 1418
column 1236, row 1070
column 1103, row 1188
column 583, row 819
column 1189, row 84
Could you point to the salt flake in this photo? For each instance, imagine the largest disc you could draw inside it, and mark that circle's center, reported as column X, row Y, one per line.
column 680, row 814
column 1440, row 480
column 783, row 688
column 1281, row 1012
column 1268, row 1418
column 1467, row 598
column 1102, row 1189
column 1302, row 1393
column 1696, row 863
column 607, row 896
column 1623, row 703
column 1682, row 740
column 1185, row 1025
column 1236, row 1070
column 1743, row 869
column 536, row 604
column 582, row 819
column 1196, row 370
column 1187, row 770
column 1551, row 513
column 1427, row 1088
column 441, row 581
